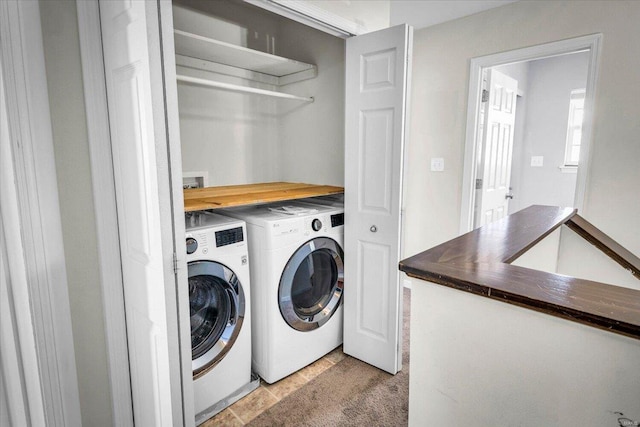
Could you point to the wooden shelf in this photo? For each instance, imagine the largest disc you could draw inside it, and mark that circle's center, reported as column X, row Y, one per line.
column 195, row 46
column 197, row 199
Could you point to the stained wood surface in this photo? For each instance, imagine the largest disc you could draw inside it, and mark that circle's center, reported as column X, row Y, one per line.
column 606, row 244
column 197, row 199
column 479, row 262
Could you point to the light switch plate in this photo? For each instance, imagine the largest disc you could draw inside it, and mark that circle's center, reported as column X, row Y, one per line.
column 537, row 161
column 437, row 164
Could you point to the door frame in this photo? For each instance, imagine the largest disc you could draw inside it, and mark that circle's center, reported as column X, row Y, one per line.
column 590, row 42
column 42, row 309
column 101, row 158
column 105, row 211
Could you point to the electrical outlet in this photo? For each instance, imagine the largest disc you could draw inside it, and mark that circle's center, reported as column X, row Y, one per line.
column 437, row 164
column 537, row 161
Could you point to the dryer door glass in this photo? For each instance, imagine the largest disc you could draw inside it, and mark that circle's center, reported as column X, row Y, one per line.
column 311, row 285
column 216, row 303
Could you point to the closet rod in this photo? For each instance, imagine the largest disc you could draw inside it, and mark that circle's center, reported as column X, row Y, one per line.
column 238, row 88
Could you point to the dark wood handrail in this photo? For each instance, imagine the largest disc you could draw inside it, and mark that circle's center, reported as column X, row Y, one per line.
column 606, row 244
column 480, row 262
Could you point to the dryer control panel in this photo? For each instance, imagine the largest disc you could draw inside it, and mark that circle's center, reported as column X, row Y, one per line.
column 323, row 222
column 337, row 220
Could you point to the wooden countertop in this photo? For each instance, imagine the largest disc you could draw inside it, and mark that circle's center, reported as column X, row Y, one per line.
column 480, row 262
column 198, row 199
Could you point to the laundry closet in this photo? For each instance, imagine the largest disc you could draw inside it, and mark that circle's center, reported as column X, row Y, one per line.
column 230, row 97
column 264, row 100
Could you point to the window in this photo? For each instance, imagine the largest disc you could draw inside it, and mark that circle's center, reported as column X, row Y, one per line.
column 574, row 128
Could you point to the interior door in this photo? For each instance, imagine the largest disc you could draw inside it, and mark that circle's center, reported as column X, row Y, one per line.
column 377, row 83
column 497, row 148
column 133, row 138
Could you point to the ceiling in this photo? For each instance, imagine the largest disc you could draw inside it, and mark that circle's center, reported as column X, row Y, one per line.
column 424, row 13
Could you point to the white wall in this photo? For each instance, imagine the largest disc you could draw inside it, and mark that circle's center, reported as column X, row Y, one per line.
column 421, row 14
column 311, row 136
column 476, row 368
column 230, row 135
column 64, row 80
column 439, row 103
column 543, row 256
column 239, row 138
column 551, row 81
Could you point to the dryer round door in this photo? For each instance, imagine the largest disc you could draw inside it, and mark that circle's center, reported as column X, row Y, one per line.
column 216, row 303
column 311, row 285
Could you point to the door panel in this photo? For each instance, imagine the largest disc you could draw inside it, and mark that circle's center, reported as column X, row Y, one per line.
column 373, row 302
column 376, row 143
column 493, row 203
column 133, row 137
column 377, row 70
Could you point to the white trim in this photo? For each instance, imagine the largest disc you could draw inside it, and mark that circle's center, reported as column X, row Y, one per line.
column 311, row 16
column 19, row 372
column 164, row 94
column 174, row 230
column 568, row 169
column 577, row 44
column 38, row 208
column 104, row 200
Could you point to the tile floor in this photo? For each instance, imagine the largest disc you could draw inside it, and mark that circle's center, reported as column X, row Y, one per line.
column 267, row 395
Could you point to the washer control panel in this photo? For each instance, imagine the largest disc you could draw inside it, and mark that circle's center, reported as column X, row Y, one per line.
column 201, row 241
column 229, row 237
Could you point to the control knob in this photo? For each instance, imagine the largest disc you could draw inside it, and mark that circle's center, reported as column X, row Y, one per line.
column 316, row 224
column 192, row 245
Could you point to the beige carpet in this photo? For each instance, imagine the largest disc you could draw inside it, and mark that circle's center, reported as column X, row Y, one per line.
column 351, row 393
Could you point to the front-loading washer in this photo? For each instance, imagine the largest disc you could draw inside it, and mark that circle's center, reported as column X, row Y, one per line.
column 297, row 281
column 220, row 310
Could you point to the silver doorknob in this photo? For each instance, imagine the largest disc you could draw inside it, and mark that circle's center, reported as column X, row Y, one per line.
column 508, row 196
column 373, row 229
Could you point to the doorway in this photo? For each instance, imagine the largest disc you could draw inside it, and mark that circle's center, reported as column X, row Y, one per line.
column 518, row 127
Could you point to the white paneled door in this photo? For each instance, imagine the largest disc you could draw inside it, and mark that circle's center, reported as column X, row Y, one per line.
column 497, row 148
column 133, row 139
column 377, row 78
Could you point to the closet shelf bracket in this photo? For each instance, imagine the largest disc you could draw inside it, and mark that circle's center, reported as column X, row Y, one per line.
column 239, row 88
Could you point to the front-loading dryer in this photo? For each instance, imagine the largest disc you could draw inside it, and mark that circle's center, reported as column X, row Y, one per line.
column 335, row 200
column 220, row 310
column 297, row 281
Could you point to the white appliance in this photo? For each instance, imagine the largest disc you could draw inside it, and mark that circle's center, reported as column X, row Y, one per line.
column 297, row 282
column 335, row 200
column 220, row 310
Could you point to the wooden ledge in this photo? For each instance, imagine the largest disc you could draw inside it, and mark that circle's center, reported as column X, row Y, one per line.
column 479, row 262
column 198, row 199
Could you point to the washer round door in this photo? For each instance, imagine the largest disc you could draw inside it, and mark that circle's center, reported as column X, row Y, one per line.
column 311, row 285
column 216, row 302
